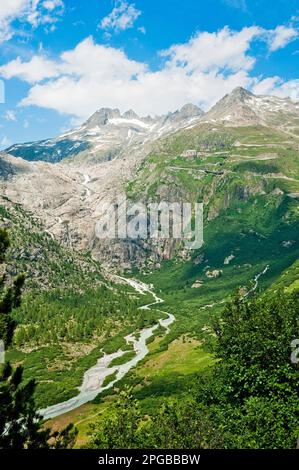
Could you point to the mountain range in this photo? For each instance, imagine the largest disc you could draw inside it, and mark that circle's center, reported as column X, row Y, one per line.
column 244, row 140
column 108, row 134
column 240, row 159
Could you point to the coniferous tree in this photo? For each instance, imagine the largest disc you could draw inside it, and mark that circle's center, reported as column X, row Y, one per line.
column 9, row 295
column 20, row 424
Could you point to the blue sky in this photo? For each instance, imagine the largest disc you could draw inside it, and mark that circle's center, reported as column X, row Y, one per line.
column 63, row 59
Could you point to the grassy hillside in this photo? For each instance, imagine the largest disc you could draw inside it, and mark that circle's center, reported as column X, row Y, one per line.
column 70, row 313
column 248, row 180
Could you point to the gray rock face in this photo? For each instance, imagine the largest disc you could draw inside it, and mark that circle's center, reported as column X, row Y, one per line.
column 101, row 117
column 187, row 112
column 239, row 94
column 190, row 110
column 10, row 166
column 130, row 115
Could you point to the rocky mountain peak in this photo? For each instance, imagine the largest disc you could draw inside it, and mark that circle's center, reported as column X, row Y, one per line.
column 130, row 114
column 188, row 111
column 108, row 133
column 240, row 93
column 234, row 108
column 241, row 107
column 102, row 116
column 238, row 96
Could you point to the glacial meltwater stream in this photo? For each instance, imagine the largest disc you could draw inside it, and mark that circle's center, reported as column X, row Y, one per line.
column 94, row 377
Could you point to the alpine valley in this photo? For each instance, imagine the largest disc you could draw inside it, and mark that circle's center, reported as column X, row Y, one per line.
column 92, row 326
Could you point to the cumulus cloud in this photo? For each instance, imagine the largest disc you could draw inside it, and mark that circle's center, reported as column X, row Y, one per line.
column 277, row 87
column 225, row 49
column 87, row 60
column 37, row 69
column 92, row 75
column 33, row 12
column 9, row 10
column 52, row 4
column 281, row 36
column 122, row 17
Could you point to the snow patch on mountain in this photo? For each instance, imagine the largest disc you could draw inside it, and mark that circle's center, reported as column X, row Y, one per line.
column 106, row 135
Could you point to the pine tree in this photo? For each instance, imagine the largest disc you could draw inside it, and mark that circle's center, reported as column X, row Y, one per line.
column 20, row 424
column 10, row 295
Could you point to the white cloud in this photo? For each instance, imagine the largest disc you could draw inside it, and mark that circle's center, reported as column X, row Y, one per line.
column 9, row 10
column 281, row 36
column 91, row 76
column 86, row 60
column 12, row 8
column 52, row 4
column 10, row 115
column 265, row 86
column 44, row 12
column 100, row 62
column 33, row 12
column 122, row 17
column 38, row 68
column 225, row 49
column 277, row 87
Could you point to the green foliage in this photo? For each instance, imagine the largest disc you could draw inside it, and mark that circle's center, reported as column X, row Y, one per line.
column 109, row 379
column 254, row 343
column 201, row 139
column 173, row 427
column 184, row 425
column 258, row 423
column 252, row 393
column 10, row 294
column 123, row 359
column 61, row 315
column 121, row 429
column 20, row 425
column 248, row 399
column 61, row 333
column 258, row 167
column 4, row 244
